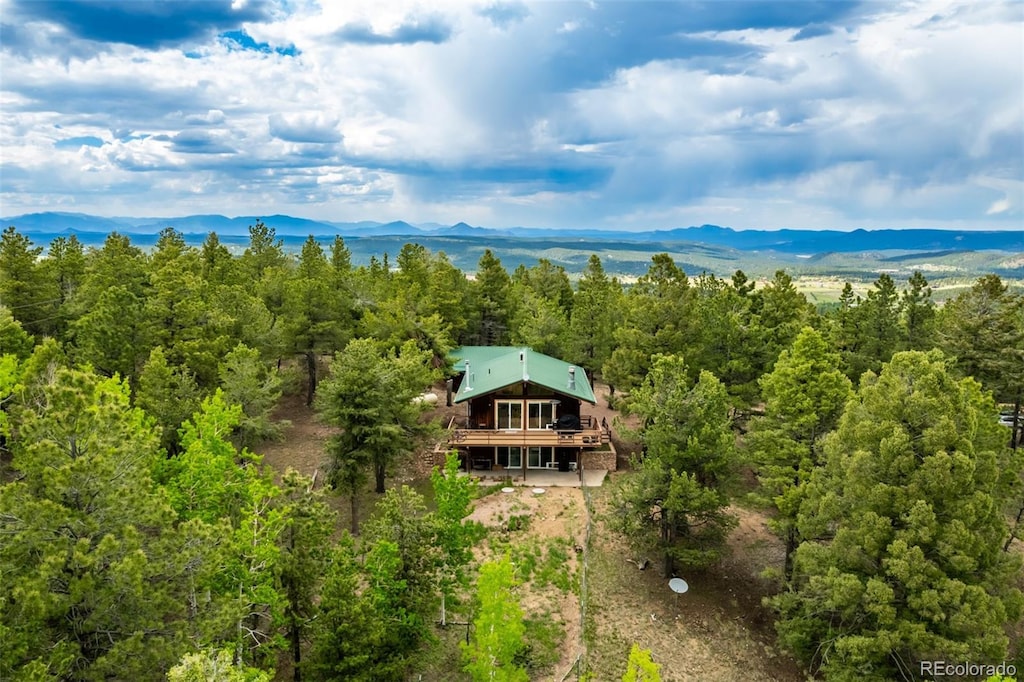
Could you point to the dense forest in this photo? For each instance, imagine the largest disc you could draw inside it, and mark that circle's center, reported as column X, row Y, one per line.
column 143, row 538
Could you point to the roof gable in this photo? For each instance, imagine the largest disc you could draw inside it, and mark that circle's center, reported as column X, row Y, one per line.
column 495, row 367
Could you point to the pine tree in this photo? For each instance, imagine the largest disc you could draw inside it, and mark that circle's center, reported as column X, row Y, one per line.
column 595, row 311
column 89, row 589
column 491, row 291
column 804, row 396
column 905, row 529
column 656, row 320
column 313, row 324
column 24, row 289
column 168, row 394
column 917, row 310
column 676, row 502
column 346, row 629
column 369, row 396
column 305, row 552
column 248, row 381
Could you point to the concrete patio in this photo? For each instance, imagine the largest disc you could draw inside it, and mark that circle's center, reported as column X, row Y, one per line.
column 541, row 478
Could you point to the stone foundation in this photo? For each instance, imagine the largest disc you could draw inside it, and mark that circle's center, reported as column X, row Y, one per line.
column 600, row 459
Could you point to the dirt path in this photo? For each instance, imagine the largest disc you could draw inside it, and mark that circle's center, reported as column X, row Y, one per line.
column 303, row 445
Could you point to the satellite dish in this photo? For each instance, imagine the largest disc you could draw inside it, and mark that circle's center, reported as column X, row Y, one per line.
column 678, row 585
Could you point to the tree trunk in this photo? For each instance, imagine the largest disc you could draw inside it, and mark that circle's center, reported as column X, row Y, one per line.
column 378, row 474
column 354, row 506
column 666, row 538
column 1017, row 428
column 1016, row 527
column 295, row 629
column 311, row 370
column 296, row 651
column 791, row 545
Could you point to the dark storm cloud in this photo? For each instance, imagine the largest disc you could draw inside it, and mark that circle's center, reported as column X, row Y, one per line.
column 142, row 23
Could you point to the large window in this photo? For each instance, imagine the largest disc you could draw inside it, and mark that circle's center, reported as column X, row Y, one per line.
column 539, row 414
column 510, row 414
column 509, row 457
column 539, row 458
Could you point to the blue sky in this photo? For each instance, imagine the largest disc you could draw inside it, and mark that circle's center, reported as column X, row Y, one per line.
column 619, row 115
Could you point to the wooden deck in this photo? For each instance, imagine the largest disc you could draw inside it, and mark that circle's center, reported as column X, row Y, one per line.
column 592, row 437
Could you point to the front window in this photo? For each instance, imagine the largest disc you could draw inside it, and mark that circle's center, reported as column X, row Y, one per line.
column 510, row 414
column 539, row 414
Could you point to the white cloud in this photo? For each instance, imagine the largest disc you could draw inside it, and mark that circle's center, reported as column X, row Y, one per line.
column 539, row 114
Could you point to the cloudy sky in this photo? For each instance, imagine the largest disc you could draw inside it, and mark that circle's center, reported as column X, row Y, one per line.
column 624, row 115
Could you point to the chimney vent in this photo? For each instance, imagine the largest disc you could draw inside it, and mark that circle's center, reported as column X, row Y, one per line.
column 469, row 386
column 572, row 377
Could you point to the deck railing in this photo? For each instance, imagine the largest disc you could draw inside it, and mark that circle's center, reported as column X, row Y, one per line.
column 591, row 434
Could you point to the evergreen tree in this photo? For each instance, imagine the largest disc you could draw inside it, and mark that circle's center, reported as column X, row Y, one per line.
column 656, row 320
column 350, row 641
column 13, row 338
column 491, row 290
column 24, row 289
column 248, row 381
column 111, row 331
column 905, row 528
column 781, row 312
column 917, row 310
column 369, row 397
column 676, row 503
column 728, row 337
column 305, row 552
column 595, row 314
column 90, row 588
column 982, row 329
column 217, row 266
column 64, row 270
column 539, row 323
column 313, row 323
column 401, row 521
column 169, row 395
column 804, row 396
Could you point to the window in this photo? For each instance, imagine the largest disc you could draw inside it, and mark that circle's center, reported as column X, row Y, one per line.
column 539, row 414
column 510, row 414
column 510, row 457
column 538, row 458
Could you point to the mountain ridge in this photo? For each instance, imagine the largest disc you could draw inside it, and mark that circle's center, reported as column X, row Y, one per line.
column 786, row 240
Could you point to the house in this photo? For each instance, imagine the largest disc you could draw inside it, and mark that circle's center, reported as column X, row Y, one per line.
column 524, row 410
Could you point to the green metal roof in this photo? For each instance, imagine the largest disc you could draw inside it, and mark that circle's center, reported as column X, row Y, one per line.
column 495, row 367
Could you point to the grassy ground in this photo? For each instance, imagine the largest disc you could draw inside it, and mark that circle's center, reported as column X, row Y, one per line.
column 718, row 630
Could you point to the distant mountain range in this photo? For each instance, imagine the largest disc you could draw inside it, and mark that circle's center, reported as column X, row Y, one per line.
column 45, row 226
